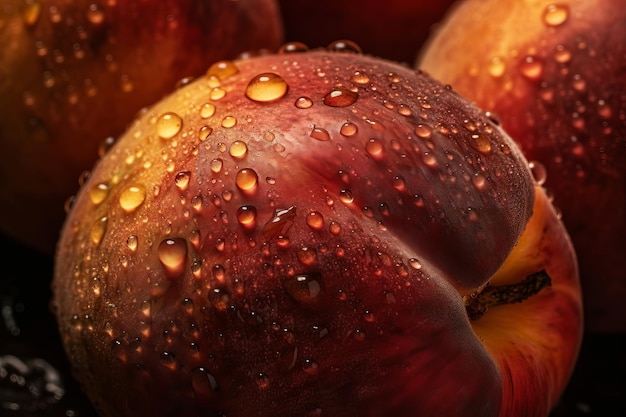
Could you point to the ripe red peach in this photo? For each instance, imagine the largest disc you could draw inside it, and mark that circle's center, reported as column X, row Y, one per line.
column 73, row 73
column 316, row 233
column 554, row 74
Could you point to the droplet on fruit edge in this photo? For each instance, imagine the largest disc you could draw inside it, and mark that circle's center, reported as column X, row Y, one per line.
column 222, row 70
column 266, row 88
column 168, row 125
column 304, row 288
column 539, row 172
column 246, row 216
column 98, row 230
column 246, row 179
column 238, row 149
column 340, row 97
column 415, row 264
column 319, row 134
column 132, row 197
column 555, row 14
column 172, row 254
column 98, row 193
column 344, row 45
column 303, row 102
column 293, row 47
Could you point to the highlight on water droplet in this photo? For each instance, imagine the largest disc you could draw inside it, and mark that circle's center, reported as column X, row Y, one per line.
column 246, row 216
column 172, row 253
column 266, row 88
column 304, row 288
column 247, row 180
column 98, row 193
column 132, row 197
column 540, row 174
column 238, row 149
column 423, row 131
column 168, row 125
column 346, row 196
column 222, row 70
column 340, row 97
column 344, row 45
column 555, row 14
column 319, row 134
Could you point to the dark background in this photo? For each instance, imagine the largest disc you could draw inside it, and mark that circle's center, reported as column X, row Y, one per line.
column 28, row 331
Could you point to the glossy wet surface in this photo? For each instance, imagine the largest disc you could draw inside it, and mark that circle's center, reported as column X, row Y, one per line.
column 35, row 380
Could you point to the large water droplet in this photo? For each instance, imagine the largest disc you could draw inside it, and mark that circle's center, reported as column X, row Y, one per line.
column 315, row 220
column 246, row 216
column 182, row 180
column 293, row 47
column 480, row 143
column 280, row 223
column 319, row 134
column 168, row 125
column 98, row 193
column 247, row 180
column 98, row 230
column 266, row 88
column 222, row 70
column 555, row 14
column 303, row 102
column 375, row 148
column 132, row 197
column 345, row 45
column 238, row 149
column 304, row 288
column 340, row 97
column 172, row 253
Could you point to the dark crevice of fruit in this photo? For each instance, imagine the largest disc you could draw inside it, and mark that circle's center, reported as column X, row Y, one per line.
column 492, row 296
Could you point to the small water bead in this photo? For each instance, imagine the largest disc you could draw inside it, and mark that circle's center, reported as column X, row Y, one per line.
column 480, row 143
column 172, row 253
column 359, row 77
column 311, row 368
column 168, row 125
column 98, row 193
column 531, row 68
column 304, row 288
column 399, row 183
column 562, row 55
column 222, row 70
column 303, row 102
column 293, row 47
column 266, row 88
column 207, row 110
column 340, row 97
column 555, row 14
column 246, row 179
column 229, row 122
column 334, row 228
column 348, row 129
column 182, row 180
column 430, row 159
column 132, row 242
column 315, row 220
column 307, row 256
column 217, row 94
column 204, row 133
column 415, row 264
column 319, row 134
column 423, row 131
column 98, row 230
column 479, row 181
column 346, row 196
column 540, row 174
column 238, row 149
column 262, row 380
column 496, row 67
column 345, row 45
column 375, row 148
column 132, row 197
column 405, row 110
column 216, row 165
column 246, row 216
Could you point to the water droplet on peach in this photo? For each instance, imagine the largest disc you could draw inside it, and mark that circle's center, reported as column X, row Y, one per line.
column 246, row 216
column 539, row 171
column 222, row 70
column 303, row 102
column 375, row 148
column 238, row 149
column 555, row 14
column 315, row 220
column 98, row 230
column 132, row 197
column 319, row 134
column 207, row 110
column 216, row 165
column 246, row 179
column 340, row 97
column 267, row 87
column 345, row 45
column 172, row 253
column 168, row 125
column 359, row 77
column 293, row 47
column 423, row 131
column 496, row 67
column 229, row 121
column 348, row 129
column 346, row 196
column 480, row 143
column 532, row 68
column 98, row 193
column 304, row 288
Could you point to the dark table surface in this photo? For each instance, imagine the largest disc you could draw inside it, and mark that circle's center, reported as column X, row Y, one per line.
column 35, row 380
